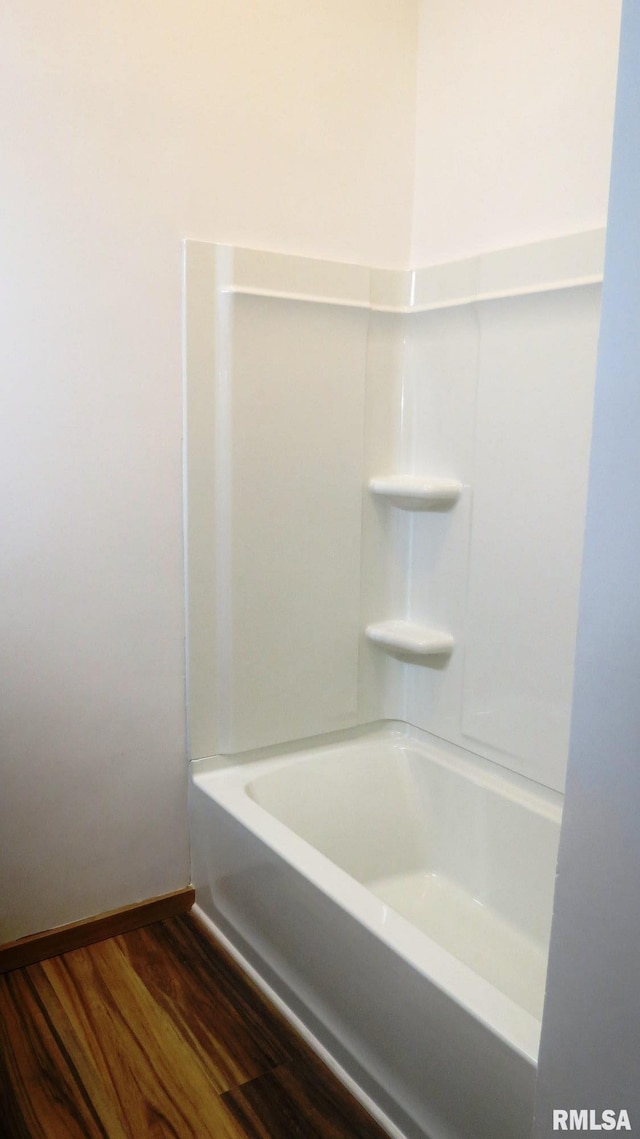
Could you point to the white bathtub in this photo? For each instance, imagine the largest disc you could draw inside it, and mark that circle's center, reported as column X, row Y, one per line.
column 395, row 894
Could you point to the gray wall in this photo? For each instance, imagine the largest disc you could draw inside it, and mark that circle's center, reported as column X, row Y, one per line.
column 590, row 1049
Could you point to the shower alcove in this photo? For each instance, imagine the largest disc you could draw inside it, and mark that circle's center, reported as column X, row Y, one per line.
column 386, row 480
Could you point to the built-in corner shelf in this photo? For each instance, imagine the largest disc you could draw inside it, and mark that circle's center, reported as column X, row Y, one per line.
column 417, row 492
column 407, row 637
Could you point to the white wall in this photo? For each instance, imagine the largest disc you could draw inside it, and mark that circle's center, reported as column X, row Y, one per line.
column 514, row 117
column 590, row 1048
column 125, row 127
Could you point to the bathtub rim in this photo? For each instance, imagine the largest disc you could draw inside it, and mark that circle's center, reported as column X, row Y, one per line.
column 465, row 760
column 225, row 780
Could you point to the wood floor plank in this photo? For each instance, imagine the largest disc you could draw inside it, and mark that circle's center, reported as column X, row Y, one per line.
column 94, row 1087
column 300, row 1102
column 157, row 1034
column 157, row 1084
column 211, row 1003
column 41, row 1092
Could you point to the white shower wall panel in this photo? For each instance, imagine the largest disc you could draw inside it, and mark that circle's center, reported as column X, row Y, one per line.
column 385, row 546
column 296, row 460
column 504, row 388
column 275, row 362
column 535, row 398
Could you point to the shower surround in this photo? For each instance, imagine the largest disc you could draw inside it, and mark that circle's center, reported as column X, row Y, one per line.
column 386, row 484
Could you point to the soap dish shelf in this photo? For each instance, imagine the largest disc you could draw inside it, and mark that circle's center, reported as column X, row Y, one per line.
column 409, row 638
column 417, row 492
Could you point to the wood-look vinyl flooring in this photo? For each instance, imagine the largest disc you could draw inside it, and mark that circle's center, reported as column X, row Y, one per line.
column 158, row 1033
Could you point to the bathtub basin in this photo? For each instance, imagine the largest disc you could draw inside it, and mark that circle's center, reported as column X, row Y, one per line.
column 395, row 893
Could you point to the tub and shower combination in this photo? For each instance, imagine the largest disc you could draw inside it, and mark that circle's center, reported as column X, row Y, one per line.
column 393, row 893
column 384, row 541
